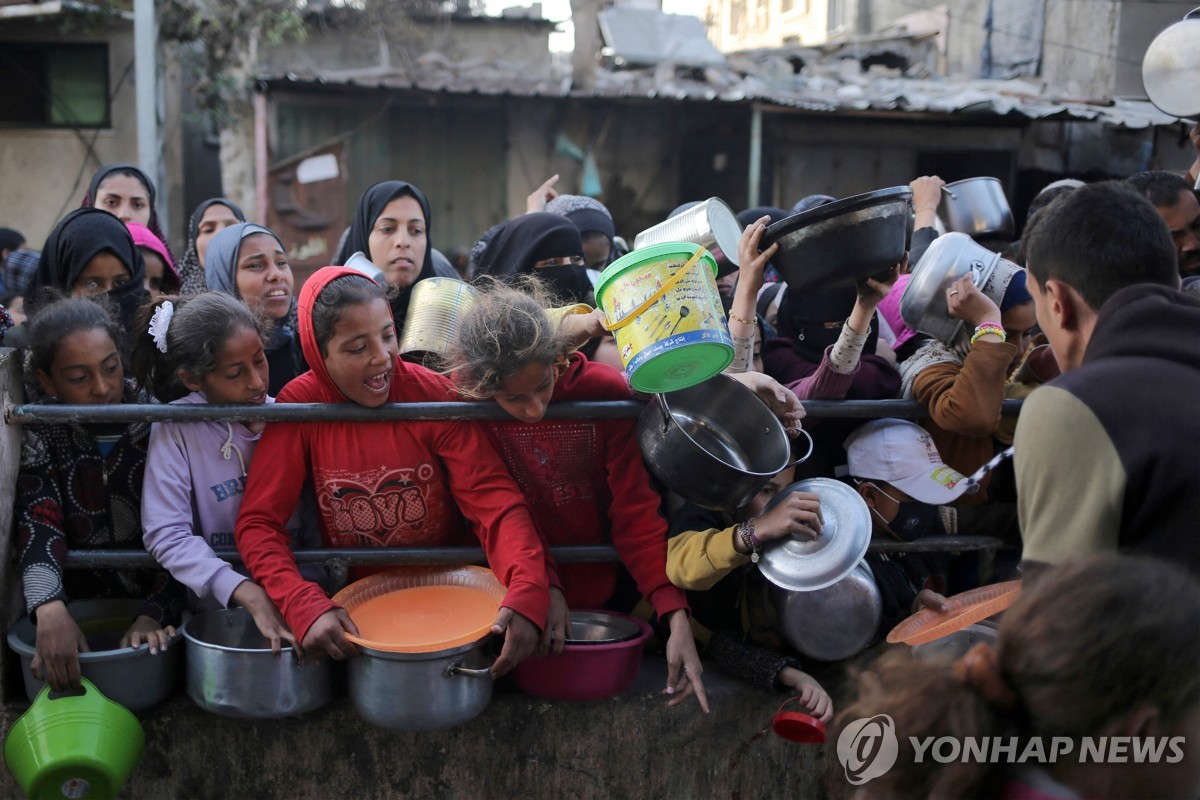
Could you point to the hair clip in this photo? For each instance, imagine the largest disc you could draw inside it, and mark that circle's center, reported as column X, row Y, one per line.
column 159, row 323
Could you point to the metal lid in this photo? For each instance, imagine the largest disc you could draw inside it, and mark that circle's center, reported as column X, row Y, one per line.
column 803, row 566
column 597, row 627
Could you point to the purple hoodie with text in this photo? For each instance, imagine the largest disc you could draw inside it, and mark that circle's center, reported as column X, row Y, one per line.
column 195, row 476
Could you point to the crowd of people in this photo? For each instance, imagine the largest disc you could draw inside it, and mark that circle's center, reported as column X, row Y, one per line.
column 1091, row 317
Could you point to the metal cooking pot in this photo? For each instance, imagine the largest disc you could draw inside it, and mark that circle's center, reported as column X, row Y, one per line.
column 714, row 444
column 978, row 208
column 711, row 224
column 129, row 676
column 231, row 670
column 1171, row 66
column 421, row 691
column 924, row 305
column 833, row 623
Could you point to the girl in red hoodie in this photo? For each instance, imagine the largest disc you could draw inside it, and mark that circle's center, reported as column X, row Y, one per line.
column 584, row 479
column 381, row 484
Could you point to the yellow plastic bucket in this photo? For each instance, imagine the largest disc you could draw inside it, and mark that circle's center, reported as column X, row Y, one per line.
column 662, row 305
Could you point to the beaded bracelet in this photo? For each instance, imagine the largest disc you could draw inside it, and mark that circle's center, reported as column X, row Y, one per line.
column 752, row 321
column 989, row 327
column 746, row 531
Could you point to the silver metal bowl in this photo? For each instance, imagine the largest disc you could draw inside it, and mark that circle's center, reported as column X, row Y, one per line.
column 956, row 645
column 596, row 627
column 231, row 670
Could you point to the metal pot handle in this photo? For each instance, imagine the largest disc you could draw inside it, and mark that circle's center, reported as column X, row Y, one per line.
column 807, row 455
column 459, row 669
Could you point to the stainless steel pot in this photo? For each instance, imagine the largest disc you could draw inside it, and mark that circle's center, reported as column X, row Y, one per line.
column 231, row 670
column 833, row 623
column 714, row 444
column 421, row 691
column 132, row 677
column 977, row 207
column 925, row 306
column 711, row 224
column 1171, row 66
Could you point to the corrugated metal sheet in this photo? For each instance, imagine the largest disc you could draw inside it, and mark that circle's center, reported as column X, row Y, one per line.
column 828, row 93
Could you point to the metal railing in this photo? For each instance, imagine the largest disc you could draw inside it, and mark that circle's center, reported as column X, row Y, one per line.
column 339, row 560
column 342, row 412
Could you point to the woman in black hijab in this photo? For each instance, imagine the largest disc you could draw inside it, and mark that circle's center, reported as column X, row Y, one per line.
column 127, row 193
column 391, row 227
column 89, row 253
column 191, row 270
column 547, row 245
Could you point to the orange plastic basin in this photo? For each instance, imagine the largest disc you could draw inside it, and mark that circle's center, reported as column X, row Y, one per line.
column 415, row 611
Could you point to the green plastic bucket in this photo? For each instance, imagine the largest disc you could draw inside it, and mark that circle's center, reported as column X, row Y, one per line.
column 73, row 745
column 670, row 327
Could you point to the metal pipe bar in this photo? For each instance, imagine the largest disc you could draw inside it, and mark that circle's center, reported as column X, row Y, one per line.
column 358, row 557
column 326, row 412
column 563, row 554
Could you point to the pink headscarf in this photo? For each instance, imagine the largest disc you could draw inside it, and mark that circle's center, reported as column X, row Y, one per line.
column 144, row 237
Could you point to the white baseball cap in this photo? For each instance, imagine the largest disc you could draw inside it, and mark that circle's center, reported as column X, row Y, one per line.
column 903, row 454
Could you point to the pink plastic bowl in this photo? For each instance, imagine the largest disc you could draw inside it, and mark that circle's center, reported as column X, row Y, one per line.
column 584, row 671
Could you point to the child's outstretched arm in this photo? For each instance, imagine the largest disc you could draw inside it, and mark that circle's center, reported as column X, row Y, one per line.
column 277, row 474
column 743, row 318
column 42, row 544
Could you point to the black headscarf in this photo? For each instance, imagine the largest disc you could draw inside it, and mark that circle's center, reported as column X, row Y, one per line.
column 358, row 239
column 812, row 319
column 516, row 245
column 191, row 271
column 78, row 238
column 89, row 199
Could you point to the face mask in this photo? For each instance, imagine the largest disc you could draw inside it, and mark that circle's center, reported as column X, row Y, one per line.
column 913, row 520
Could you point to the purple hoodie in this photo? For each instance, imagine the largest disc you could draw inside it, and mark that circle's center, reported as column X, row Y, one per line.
column 195, row 475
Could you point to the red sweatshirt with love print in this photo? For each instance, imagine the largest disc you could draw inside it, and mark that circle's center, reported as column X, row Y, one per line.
column 382, row 484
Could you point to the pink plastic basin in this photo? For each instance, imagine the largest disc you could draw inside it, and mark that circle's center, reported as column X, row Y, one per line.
column 584, row 671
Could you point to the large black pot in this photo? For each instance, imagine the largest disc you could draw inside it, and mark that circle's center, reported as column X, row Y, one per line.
column 841, row 243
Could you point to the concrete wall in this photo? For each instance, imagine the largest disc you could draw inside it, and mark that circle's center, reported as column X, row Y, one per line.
column 766, row 23
column 352, row 44
column 46, row 170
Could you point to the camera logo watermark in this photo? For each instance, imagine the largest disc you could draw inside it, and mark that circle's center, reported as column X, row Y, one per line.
column 868, row 748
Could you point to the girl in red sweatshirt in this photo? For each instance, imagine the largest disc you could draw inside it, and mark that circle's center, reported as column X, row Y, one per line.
column 381, row 484
column 584, row 479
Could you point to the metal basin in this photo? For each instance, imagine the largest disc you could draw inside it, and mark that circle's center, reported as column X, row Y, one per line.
column 421, row 691
column 132, row 677
column 714, row 444
column 596, row 627
column 833, row 623
column 841, row 243
column 231, row 670
column 978, row 208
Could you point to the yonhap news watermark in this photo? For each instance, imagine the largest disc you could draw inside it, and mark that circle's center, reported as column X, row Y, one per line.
column 867, row 748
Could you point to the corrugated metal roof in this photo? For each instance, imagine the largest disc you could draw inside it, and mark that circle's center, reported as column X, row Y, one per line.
column 829, row 91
